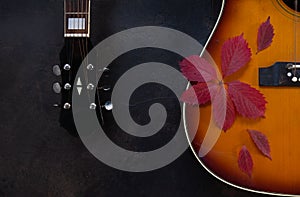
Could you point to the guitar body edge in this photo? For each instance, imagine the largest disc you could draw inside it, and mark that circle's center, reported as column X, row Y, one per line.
column 279, row 176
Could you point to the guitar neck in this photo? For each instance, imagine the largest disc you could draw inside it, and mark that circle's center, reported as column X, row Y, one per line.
column 77, row 18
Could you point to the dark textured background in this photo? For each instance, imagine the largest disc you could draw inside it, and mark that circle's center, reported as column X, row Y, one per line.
column 37, row 157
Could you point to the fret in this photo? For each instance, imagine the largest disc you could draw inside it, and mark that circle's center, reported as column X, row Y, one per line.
column 76, row 5
column 76, row 13
column 76, row 18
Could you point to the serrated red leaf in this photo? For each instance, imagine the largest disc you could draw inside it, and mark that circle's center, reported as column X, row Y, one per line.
column 199, row 94
column 245, row 161
column 248, row 101
column 223, row 109
column 261, row 142
column 196, row 145
column 196, row 94
column 235, row 55
column 196, row 68
column 265, row 35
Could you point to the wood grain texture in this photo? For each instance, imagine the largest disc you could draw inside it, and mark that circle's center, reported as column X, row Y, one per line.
column 282, row 122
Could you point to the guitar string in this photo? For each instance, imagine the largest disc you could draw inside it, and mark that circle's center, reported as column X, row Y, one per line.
column 70, row 52
column 86, row 48
column 82, row 51
column 79, row 39
column 79, row 44
column 67, row 4
column 96, row 66
column 72, row 56
column 87, row 10
column 295, row 30
column 97, row 91
column 96, row 73
column 70, row 46
column 83, row 46
column 81, row 22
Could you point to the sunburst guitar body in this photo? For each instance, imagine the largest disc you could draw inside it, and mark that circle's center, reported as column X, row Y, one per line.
column 281, row 124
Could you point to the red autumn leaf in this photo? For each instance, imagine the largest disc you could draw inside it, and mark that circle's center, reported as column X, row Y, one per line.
column 196, row 94
column 265, row 35
column 196, row 68
column 261, row 142
column 248, row 101
column 235, row 55
column 245, row 161
column 199, row 94
column 196, row 145
column 223, row 109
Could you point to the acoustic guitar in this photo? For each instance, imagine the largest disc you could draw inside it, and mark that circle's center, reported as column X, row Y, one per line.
column 275, row 73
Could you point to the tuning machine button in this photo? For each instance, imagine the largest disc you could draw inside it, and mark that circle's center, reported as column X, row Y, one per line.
column 67, row 67
column 56, row 87
column 56, row 70
column 56, row 105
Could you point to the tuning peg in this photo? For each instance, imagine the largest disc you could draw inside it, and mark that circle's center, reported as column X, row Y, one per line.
column 90, row 86
column 104, row 88
column 56, row 70
column 56, row 87
column 67, row 106
column 105, row 70
column 93, row 106
column 90, row 67
column 67, row 86
column 108, row 106
column 294, row 79
column 67, row 67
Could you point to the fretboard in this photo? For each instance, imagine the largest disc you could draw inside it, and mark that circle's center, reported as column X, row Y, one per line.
column 77, row 18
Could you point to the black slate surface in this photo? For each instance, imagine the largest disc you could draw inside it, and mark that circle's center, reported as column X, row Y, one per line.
column 37, row 157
